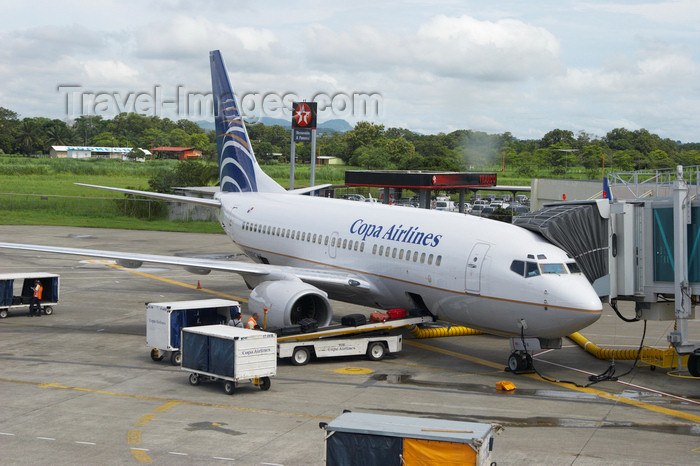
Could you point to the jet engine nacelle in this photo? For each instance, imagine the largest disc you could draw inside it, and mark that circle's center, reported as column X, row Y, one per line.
column 129, row 264
column 288, row 302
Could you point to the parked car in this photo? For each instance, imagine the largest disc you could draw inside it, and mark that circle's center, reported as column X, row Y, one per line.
column 487, row 211
column 476, row 209
column 405, row 202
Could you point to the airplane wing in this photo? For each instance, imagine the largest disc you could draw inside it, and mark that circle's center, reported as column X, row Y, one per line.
column 167, row 197
column 321, row 278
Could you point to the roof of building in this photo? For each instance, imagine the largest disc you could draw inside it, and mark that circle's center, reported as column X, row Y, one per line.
column 96, row 149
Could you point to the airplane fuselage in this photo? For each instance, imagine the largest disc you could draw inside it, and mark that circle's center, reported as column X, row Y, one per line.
column 474, row 271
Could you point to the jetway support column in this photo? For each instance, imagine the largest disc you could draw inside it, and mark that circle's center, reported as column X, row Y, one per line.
column 683, row 293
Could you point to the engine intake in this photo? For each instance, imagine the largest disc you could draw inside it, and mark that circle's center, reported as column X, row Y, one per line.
column 288, row 302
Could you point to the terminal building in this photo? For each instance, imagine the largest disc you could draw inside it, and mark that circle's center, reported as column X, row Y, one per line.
column 86, row 152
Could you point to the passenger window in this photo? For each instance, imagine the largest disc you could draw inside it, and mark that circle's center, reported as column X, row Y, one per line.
column 381, row 250
column 298, row 235
column 314, row 240
column 415, row 256
column 332, row 242
column 374, row 249
column 408, row 255
column 303, row 236
column 518, row 267
column 438, row 260
column 422, row 258
column 345, row 243
column 531, row 269
column 355, row 245
column 393, row 253
column 430, row 259
column 325, row 241
column 401, row 254
column 362, row 247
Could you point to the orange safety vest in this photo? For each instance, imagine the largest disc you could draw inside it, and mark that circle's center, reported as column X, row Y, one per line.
column 251, row 323
column 38, row 290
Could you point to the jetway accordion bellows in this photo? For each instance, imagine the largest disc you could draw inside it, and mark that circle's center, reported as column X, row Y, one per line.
column 576, row 228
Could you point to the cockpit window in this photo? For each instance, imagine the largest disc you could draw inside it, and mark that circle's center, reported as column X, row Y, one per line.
column 541, row 256
column 531, row 269
column 573, row 267
column 518, row 267
column 553, row 268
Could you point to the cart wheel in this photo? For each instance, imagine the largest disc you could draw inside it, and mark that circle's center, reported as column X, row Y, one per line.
column 229, row 387
column 157, row 355
column 3, row 313
column 301, row 356
column 694, row 364
column 265, row 383
column 48, row 310
column 176, row 358
column 375, row 351
column 194, row 379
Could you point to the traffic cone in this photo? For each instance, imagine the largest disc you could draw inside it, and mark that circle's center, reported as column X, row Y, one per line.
column 199, row 287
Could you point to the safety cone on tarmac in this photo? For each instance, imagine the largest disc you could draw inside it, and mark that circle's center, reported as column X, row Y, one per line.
column 199, row 287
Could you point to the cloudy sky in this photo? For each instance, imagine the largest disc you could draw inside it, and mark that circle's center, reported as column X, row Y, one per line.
column 429, row 66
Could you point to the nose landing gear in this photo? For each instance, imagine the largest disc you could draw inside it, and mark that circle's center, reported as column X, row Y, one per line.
column 520, row 362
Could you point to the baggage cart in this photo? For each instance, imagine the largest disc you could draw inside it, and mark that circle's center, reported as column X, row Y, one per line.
column 229, row 354
column 361, row 438
column 164, row 321
column 16, row 291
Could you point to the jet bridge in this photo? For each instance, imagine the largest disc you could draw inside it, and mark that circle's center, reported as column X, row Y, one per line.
column 645, row 250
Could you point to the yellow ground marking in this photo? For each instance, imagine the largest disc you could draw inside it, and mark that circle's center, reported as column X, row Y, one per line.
column 593, row 391
column 144, row 420
column 175, row 282
column 141, row 456
column 166, row 406
column 352, row 370
column 166, row 400
column 133, row 437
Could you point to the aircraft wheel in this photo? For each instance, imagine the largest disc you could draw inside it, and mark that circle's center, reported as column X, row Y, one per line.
column 694, row 364
column 48, row 310
column 301, row 356
column 3, row 313
column 515, row 362
column 265, row 383
column 229, row 387
column 376, row 351
column 157, row 355
column 176, row 358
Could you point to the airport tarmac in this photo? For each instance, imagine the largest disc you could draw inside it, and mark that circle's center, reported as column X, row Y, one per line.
column 80, row 387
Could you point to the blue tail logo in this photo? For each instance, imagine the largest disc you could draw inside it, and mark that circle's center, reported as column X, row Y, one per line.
column 237, row 165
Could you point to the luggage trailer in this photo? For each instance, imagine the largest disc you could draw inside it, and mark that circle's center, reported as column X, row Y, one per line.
column 16, row 291
column 371, row 339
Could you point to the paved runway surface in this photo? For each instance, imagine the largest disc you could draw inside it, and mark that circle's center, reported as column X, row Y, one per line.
column 80, row 387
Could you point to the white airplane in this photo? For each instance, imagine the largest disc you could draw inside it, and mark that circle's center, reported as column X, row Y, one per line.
column 481, row 273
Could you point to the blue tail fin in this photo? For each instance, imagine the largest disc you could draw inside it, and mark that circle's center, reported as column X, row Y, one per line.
column 607, row 192
column 238, row 169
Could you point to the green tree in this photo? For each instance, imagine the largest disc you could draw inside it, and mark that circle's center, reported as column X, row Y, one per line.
column 371, row 158
column 28, row 135
column 179, row 138
column 9, row 121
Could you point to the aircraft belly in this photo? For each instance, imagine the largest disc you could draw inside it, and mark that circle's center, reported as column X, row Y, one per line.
column 503, row 317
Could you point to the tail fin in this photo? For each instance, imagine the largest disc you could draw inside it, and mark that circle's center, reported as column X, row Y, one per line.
column 607, row 192
column 238, row 169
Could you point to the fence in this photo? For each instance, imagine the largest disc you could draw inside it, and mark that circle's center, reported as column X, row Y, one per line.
column 150, row 209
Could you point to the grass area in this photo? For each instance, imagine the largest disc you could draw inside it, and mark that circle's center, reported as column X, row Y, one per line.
column 33, row 217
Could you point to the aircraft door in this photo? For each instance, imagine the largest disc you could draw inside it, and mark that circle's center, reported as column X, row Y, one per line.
column 474, row 262
column 333, row 244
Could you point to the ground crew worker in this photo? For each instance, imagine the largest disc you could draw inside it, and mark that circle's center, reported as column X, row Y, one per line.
column 253, row 322
column 235, row 319
column 35, row 303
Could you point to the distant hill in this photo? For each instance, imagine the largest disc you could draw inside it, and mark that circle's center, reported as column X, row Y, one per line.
column 336, row 125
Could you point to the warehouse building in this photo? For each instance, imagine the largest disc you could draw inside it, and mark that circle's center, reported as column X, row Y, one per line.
column 86, row 152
